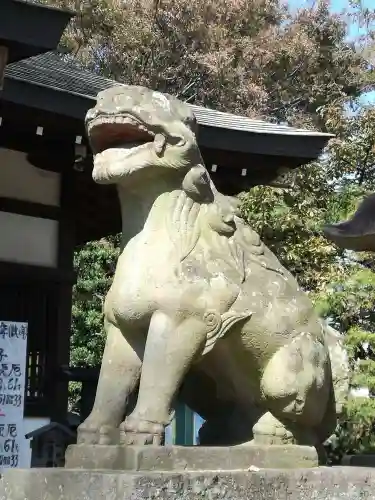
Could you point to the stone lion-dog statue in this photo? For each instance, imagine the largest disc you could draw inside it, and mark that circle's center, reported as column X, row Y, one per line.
column 199, row 307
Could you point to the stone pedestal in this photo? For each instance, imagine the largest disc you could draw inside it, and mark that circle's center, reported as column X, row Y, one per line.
column 102, row 472
column 192, row 458
column 301, row 484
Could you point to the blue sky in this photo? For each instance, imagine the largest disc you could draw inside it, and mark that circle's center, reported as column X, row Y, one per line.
column 339, row 5
column 354, row 30
column 336, row 6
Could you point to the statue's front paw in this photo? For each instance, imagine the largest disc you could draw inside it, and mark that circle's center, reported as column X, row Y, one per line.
column 88, row 433
column 135, row 431
column 92, row 432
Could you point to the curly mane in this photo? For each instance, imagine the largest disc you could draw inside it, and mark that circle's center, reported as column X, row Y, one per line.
column 200, row 206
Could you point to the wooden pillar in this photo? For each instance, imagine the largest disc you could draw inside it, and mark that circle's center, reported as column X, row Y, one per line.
column 184, row 429
column 65, row 264
column 3, row 63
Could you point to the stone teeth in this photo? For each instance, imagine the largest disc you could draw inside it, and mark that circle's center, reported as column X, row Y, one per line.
column 120, row 152
column 126, row 120
column 119, row 119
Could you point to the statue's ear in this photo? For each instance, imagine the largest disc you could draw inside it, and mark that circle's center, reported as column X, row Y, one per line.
column 358, row 233
column 197, row 185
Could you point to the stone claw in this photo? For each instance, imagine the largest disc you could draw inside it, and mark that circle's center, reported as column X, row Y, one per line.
column 91, row 433
column 140, row 439
column 87, row 435
column 141, row 432
column 269, row 430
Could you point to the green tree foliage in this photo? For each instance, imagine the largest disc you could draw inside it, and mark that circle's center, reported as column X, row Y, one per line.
column 246, row 56
column 262, row 59
column 289, row 221
column 95, row 263
column 348, row 301
column 341, row 283
column 349, row 305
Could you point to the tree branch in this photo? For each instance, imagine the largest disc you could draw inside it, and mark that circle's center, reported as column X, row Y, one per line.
column 362, row 171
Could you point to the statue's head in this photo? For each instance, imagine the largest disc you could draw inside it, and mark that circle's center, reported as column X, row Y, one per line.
column 139, row 129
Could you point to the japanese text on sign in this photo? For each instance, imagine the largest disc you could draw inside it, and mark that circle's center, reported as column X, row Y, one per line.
column 13, row 351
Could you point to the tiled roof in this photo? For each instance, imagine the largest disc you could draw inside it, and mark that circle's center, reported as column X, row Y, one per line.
column 52, row 71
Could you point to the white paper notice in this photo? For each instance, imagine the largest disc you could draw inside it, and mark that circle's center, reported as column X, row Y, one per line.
column 13, row 350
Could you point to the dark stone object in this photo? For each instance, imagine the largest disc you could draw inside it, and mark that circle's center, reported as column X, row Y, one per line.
column 359, row 460
column 357, row 233
column 63, row 484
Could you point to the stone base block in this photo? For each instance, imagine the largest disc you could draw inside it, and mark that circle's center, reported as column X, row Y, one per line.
column 320, row 483
column 192, row 458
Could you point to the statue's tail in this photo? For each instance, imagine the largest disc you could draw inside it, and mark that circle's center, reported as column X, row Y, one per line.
column 339, row 365
column 339, row 390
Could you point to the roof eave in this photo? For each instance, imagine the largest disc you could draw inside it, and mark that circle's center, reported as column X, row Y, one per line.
column 28, row 29
column 75, row 106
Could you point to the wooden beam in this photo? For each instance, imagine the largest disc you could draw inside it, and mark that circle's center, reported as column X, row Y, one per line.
column 3, row 62
column 30, row 117
column 184, row 425
column 29, row 208
column 26, row 273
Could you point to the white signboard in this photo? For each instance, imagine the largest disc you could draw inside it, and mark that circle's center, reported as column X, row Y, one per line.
column 13, row 350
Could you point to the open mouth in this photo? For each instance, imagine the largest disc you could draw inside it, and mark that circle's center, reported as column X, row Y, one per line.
column 117, row 131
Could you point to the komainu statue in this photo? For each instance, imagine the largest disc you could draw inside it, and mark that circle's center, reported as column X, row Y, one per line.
column 199, row 307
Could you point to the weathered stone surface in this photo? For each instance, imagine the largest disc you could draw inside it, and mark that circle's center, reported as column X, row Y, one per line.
column 340, row 366
column 177, row 458
column 197, row 291
column 341, row 483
